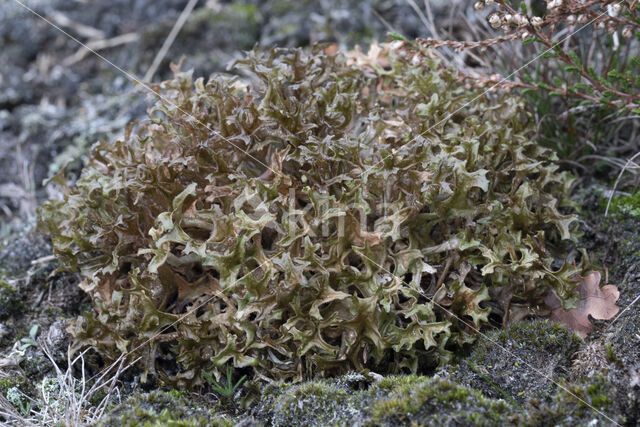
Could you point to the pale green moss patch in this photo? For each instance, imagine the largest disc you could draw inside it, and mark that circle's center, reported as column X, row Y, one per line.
column 626, row 205
column 416, row 400
column 539, row 351
column 398, row 400
column 161, row 408
column 587, row 402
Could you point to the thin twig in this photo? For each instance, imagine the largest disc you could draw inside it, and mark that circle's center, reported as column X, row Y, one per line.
column 606, row 212
column 96, row 45
column 386, row 23
column 627, row 308
column 83, row 30
column 44, row 260
column 429, row 25
column 169, row 40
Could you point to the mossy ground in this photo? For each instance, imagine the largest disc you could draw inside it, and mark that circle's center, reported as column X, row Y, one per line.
column 612, row 356
column 623, row 206
column 162, row 408
column 9, row 300
column 520, row 361
column 397, row 400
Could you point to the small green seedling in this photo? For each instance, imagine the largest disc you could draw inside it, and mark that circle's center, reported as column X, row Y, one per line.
column 31, row 339
column 227, row 390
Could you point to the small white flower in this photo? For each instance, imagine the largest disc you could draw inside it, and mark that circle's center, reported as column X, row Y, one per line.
column 627, row 33
column 554, row 4
column 494, row 20
column 614, row 9
column 479, row 5
column 536, row 21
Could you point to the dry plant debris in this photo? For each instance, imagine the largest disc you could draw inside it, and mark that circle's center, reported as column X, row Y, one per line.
column 597, row 302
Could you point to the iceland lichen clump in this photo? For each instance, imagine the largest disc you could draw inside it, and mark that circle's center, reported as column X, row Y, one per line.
column 268, row 215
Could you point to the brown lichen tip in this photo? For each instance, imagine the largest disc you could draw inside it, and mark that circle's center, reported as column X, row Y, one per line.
column 238, row 224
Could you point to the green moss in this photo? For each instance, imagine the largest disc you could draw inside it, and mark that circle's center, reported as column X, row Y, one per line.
column 626, row 205
column 397, row 400
column 413, row 400
column 578, row 404
column 18, row 390
column 543, row 334
column 236, row 25
column 9, row 300
column 248, row 12
column 54, row 312
column 160, row 408
column 17, row 381
column 534, row 343
column 610, row 353
column 327, row 402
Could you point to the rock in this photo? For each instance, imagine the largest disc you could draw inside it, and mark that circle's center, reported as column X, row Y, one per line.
column 539, row 352
column 57, row 341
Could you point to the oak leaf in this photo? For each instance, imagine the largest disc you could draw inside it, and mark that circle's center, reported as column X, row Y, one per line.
column 594, row 301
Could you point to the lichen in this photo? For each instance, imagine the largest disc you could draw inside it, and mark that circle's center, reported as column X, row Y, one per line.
column 308, row 220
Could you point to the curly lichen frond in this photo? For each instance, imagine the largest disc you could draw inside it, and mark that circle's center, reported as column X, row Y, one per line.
column 322, row 213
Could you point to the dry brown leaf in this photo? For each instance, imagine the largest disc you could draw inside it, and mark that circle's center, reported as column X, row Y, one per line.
column 598, row 302
column 332, row 49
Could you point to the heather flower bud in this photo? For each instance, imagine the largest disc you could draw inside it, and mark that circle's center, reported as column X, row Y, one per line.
column 522, row 20
column 571, row 19
column 582, row 19
column 554, row 4
column 627, row 33
column 614, row 9
column 494, row 20
column 479, row 5
column 536, row 21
